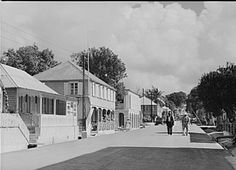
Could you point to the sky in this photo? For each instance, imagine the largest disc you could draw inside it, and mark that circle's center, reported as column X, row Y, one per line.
column 168, row 45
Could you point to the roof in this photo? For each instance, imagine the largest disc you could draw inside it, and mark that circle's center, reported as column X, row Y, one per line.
column 146, row 101
column 166, row 108
column 160, row 100
column 14, row 78
column 68, row 71
column 132, row 92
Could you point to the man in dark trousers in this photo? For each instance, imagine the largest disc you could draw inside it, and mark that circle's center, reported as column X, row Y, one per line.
column 169, row 123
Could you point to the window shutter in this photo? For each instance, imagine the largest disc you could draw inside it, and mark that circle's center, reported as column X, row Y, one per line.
column 80, row 88
column 66, row 88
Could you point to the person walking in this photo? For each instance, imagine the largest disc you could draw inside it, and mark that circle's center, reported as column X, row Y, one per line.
column 185, row 122
column 169, row 122
column 128, row 124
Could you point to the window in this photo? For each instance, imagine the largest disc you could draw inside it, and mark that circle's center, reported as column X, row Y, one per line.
column 97, row 90
column 60, row 107
column 108, row 94
column 93, row 89
column 101, row 92
column 74, row 88
column 111, row 95
column 48, row 106
column 105, row 93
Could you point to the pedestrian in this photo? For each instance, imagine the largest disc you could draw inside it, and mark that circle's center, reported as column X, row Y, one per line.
column 128, row 124
column 185, row 122
column 169, row 122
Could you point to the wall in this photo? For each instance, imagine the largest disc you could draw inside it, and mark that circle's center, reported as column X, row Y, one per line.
column 58, row 128
column 14, row 133
column 58, row 86
column 100, row 102
column 132, row 101
column 105, row 104
column 12, row 140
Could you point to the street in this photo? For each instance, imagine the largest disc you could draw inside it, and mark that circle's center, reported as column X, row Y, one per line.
column 148, row 148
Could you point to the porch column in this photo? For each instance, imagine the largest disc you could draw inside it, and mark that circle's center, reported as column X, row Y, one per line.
column 54, row 106
column 88, row 121
column 40, row 104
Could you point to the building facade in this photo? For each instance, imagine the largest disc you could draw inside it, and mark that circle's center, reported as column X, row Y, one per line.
column 67, row 79
column 149, row 109
column 42, row 110
column 128, row 108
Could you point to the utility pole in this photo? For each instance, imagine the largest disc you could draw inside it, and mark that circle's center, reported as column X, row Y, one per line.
column 151, row 105
column 143, row 105
column 83, row 99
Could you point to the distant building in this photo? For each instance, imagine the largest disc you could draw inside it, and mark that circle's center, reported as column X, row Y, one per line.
column 149, row 108
column 67, row 79
column 128, row 108
column 45, row 114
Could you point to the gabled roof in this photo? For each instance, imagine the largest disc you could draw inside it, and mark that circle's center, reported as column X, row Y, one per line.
column 132, row 92
column 14, row 78
column 66, row 72
column 146, row 101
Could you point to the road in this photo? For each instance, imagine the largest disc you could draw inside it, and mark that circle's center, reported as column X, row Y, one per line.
column 148, row 148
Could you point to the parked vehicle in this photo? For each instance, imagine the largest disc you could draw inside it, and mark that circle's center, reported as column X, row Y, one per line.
column 158, row 121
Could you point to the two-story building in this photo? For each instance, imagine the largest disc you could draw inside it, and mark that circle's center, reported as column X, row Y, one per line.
column 67, row 79
column 48, row 116
column 128, row 108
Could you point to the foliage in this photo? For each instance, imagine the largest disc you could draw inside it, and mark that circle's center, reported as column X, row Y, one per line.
column 193, row 101
column 217, row 90
column 120, row 87
column 104, row 64
column 29, row 59
column 169, row 103
column 178, row 98
column 153, row 94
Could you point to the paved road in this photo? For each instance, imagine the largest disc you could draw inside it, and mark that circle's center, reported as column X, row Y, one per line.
column 132, row 158
column 150, row 146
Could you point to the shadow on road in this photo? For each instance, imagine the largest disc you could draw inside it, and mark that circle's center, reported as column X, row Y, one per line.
column 200, row 138
column 145, row 158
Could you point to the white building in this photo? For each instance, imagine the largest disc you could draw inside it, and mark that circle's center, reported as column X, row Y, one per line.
column 130, row 108
column 67, row 79
column 38, row 114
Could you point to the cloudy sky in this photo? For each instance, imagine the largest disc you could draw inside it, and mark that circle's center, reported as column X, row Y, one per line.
column 167, row 45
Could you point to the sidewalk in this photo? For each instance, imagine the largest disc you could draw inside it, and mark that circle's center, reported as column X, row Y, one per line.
column 153, row 136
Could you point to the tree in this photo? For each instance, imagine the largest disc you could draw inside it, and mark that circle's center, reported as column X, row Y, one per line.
column 178, row 98
column 217, row 90
column 153, row 94
column 193, row 101
column 104, row 64
column 169, row 103
column 29, row 59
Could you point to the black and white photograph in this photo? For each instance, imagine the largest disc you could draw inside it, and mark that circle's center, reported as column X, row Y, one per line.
column 118, row 85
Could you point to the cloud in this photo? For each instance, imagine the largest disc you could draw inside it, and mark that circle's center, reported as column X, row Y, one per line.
column 166, row 46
